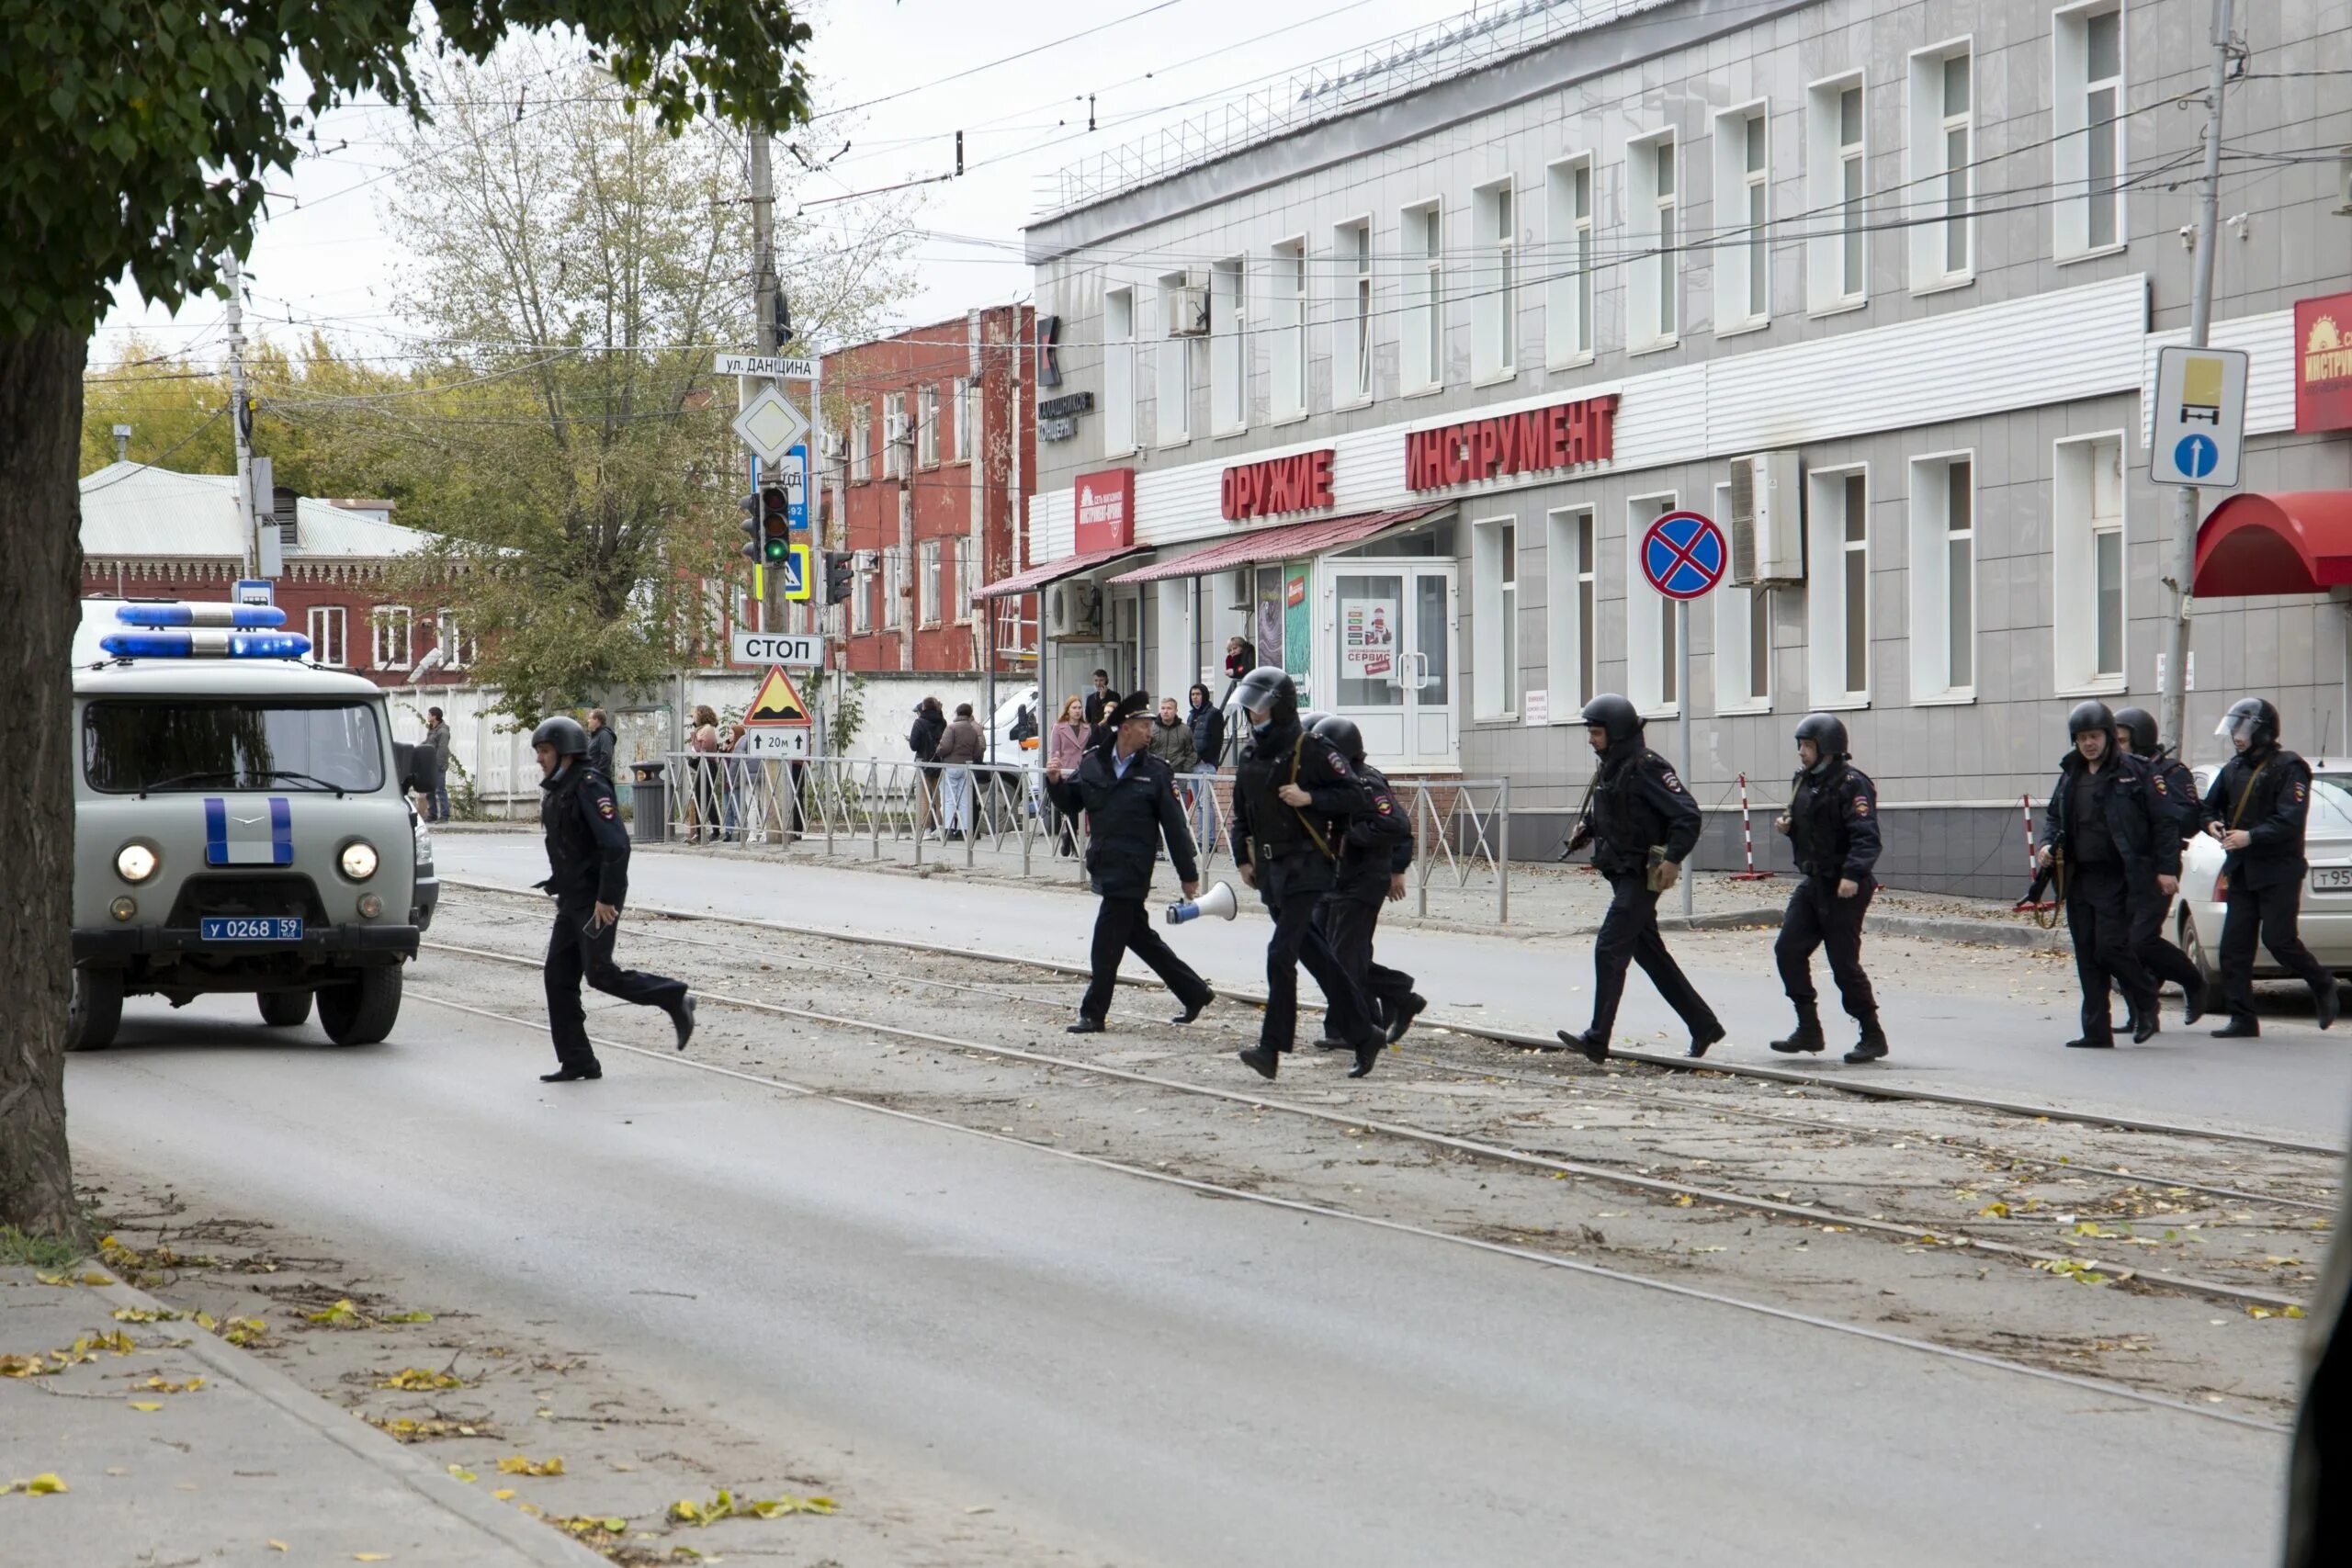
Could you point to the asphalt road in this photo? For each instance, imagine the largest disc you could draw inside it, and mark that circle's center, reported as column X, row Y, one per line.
column 2293, row 1082
column 1153, row 1376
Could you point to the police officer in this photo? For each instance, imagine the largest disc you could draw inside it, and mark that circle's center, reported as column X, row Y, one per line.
column 2181, row 813
column 2104, row 833
column 588, row 874
column 2256, row 808
column 1642, row 823
column 1375, row 854
column 1292, row 796
column 1129, row 798
column 1832, row 825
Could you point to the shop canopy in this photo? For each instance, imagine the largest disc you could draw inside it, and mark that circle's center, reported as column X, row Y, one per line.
column 2297, row 542
column 1289, row 542
column 1037, row 577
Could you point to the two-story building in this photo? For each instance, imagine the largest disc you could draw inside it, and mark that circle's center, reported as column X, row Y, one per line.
column 1393, row 377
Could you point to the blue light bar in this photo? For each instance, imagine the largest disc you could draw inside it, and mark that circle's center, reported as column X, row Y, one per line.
column 206, row 643
column 251, row 617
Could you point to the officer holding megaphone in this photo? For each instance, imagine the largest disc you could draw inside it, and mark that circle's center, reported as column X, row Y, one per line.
column 1217, row 904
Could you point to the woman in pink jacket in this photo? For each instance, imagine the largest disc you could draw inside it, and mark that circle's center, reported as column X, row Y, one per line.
column 1064, row 743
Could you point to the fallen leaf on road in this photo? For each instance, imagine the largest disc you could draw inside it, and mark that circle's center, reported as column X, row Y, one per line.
column 145, row 1315
column 504, row 1494
column 275, row 1545
column 20, row 1365
column 774, row 1507
column 41, row 1485
column 162, row 1385
column 462, row 1474
column 371, row 1557
column 144, row 1405
column 515, row 1464
column 407, row 1318
column 244, row 1331
column 342, row 1314
column 1993, row 1210
column 415, row 1380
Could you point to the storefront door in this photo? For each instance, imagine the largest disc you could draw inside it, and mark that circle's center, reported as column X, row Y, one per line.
column 1397, row 675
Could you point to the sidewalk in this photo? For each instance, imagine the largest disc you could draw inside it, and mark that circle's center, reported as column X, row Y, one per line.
column 174, row 1446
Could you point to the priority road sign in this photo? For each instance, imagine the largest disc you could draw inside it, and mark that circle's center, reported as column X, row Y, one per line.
column 1684, row 556
column 770, row 425
column 2197, row 431
column 778, row 703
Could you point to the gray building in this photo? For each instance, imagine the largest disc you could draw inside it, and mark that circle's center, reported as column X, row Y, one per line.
column 1391, row 377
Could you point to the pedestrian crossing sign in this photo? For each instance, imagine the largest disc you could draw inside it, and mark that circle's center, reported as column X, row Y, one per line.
column 778, row 702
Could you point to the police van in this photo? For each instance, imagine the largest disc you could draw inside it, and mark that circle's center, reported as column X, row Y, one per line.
column 241, row 823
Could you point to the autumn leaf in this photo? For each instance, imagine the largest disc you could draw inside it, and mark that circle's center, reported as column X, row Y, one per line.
column 371, row 1556
column 1995, row 1209
column 515, row 1464
column 245, row 1332
column 275, row 1545
column 407, row 1318
column 147, row 1405
column 504, row 1494
column 42, row 1486
column 145, row 1315
column 20, row 1367
column 342, row 1314
column 773, row 1507
column 416, row 1380
column 462, row 1474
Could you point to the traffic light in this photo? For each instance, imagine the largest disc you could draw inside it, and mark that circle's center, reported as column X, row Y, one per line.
column 841, row 575
column 764, row 525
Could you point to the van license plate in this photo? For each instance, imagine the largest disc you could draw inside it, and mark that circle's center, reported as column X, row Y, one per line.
column 2332, row 879
column 251, row 928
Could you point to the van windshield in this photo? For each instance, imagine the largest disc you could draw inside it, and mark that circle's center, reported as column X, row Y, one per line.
column 197, row 747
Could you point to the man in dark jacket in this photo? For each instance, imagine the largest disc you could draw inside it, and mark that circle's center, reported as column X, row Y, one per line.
column 588, row 874
column 2256, row 808
column 1293, row 797
column 1171, row 739
column 602, row 742
column 1101, row 702
column 2180, row 813
column 1832, row 825
column 1129, row 797
column 1375, row 854
column 1642, row 824
column 2103, row 834
column 1208, row 751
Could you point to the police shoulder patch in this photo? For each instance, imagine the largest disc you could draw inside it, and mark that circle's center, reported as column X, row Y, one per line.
column 1665, row 776
column 2298, row 791
column 1380, row 804
column 2158, row 779
column 1861, row 806
column 605, row 807
column 1339, row 763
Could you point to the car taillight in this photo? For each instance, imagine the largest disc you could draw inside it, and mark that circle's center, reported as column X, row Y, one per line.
column 2220, row 886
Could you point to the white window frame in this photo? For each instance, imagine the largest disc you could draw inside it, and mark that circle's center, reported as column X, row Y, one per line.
column 2086, row 473
column 965, row 577
column 1571, row 609
column 1494, row 307
column 1654, row 265
column 1837, row 178
column 1352, row 314
column 1569, row 323
column 1496, row 667
column 1421, row 357
column 1118, row 375
column 1742, row 219
column 894, row 578
column 329, row 635
column 1826, row 589
column 2073, row 152
column 1172, row 373
column 1286, row 314
column 895, row 446
column 1931, row 623
column 449, row 635
column 861, row 444
column 1229, row 346
column 861, row 603
column 384, row 654
column 1931, row 177
column 931, row 597
column 960, row 413
column 1650, row 673
column 1733, row 664
column 927, row 424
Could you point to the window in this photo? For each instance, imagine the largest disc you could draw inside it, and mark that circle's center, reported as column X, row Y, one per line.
column 1743, row 255
column 965, row 579
column 194, row 746
column 971, row 418
column 1351, row 324
column 927, row 426
column 328, row 645
column 861, row 443
column 1834, row 277
column 1173, row 400
column 861, row 603
column 1654, row 279
column 894, row 435
column 1837, row 596
column 1229, row 347
column 1742, row 661
column 894, row 579
column 1493, row 574
column 1943, row 579
column 1494, row 314
column 1570, row 598
column 457, row 648
column 1652, row 653
column 2086, row 563
column 1942, row 147
column 1286, row 322
column 2089, row 44
column 1424, row 297
column 1567, row 305
column 1118, row 378
column 393, row 626
column 932, row 597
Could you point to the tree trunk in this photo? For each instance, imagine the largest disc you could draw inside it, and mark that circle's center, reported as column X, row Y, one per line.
column 40, row 569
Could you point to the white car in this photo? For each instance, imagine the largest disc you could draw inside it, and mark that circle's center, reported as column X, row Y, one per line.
column 2326, row 922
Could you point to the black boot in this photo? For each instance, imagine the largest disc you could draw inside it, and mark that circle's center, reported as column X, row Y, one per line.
column 1192, row 1009
column 570, row 1073
column 1264, row 1060
column 2329, row 1001
column 1871, row 1045
column 2238, row 1029
column 2194, row 995
column 1706, row 1035
column 1592, row 1042
column 1368, row 1051
column 1401, row 1018
column 1806, row 1036
column 682, row 1018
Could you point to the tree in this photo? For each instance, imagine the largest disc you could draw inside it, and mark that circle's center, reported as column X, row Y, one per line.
column 137, row 139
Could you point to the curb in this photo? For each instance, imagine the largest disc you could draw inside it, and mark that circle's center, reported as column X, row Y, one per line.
column 1996, row 933
column 539, row 1542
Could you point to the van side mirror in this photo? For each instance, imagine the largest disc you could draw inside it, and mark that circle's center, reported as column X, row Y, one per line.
column 404, row 767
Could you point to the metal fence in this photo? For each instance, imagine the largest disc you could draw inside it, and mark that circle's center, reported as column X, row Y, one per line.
column 1000, row 817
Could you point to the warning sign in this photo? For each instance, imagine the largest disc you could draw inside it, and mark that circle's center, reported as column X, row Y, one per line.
column 778, row 702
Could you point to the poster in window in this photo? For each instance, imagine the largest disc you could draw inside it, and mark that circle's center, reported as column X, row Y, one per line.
column 1368, row 638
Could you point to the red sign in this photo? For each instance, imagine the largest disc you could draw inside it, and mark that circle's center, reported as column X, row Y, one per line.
column 1300, row 483
column 1564, row 435
column 2324, row 363
column 1106, row 511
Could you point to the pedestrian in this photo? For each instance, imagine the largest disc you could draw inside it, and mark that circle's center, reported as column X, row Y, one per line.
column 436, row 739
column 702, row 742
column 588, row 876
column 2101, row 835
column 1171, row 739
column 960, row 746
column 1100, row 701
column 1239, row 659
column 1832, row 827
column 1642, row 824
column 601, row 741
column 1208, row 753
column 1374, row 853
column 1130, row 797
column 1064, row 746
column 735, row 769
column 2256, row 808
column 2180, row 813
column 1294, row 794
column 922, row 744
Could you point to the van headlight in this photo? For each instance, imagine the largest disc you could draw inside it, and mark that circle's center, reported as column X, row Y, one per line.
column 358, row 859
column 136, row 862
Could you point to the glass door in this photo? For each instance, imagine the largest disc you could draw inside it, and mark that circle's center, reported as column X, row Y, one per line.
column 1395, row 660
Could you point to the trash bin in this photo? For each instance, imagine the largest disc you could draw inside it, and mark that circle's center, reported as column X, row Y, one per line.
column 651, row 793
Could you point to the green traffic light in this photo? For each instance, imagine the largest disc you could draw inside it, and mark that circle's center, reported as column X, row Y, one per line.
column 779, row 549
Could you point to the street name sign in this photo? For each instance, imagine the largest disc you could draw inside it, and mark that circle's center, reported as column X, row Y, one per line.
column 796, row 649
column 770, row 425
column 2197, row 431
column 774, row 365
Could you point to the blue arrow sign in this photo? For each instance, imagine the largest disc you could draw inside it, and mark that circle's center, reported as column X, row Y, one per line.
column 1684, row 555
column 2196, row 455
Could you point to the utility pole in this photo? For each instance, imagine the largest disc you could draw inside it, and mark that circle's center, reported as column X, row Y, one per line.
column 764, row 335
column 239, row 407
column 2175, row 696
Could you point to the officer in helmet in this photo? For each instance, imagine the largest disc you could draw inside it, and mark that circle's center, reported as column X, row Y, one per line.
column 1642, row 823
column 588, row 874
column 2104, row 833
column 1375, row 854
column 1294, row 796
column 2256, row 808
column 1832, row 825
column 2182, row 813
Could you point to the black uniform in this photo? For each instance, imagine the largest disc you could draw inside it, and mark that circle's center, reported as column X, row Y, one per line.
column 2265, row 792
column 1129, row 814
column 1292, row 852
column 2180, row 813
column 1377, row 846
column 2104, row 824
column 588, row 866
column 1638, row 804
column 1833, row 828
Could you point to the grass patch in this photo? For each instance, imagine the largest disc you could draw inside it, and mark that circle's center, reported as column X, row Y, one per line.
column 36, row 1251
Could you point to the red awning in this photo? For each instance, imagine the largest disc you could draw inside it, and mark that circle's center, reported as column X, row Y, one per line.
column 2299, row 542
column 1037, row 577
column 1286, row 543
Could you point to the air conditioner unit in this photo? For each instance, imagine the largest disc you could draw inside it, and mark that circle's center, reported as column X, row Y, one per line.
column 1188, row 307
column 1766, row 522
column 1073, row 610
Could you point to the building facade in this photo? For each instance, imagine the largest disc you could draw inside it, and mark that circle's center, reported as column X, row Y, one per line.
column 1396, row 388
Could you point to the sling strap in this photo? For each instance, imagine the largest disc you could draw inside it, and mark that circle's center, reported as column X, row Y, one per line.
column 1296, row 753
column 2247, row 794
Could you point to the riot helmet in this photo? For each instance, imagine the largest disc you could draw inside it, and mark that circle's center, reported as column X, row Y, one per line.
column 1614, row 714
column 1267, row 691
column 563, row 732
column 1827, row 733
column 2090, row 715
column 1342, row 733
column 2139, row 726
column 2252, row 720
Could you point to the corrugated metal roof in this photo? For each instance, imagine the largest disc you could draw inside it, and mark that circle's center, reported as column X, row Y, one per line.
column 1054, row 572
column 1288, row 542
column 136, row 511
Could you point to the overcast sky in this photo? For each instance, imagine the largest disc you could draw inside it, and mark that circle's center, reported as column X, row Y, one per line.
column 325, row 254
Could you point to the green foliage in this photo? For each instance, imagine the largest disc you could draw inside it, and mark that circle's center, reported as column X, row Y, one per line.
column 26, row 1250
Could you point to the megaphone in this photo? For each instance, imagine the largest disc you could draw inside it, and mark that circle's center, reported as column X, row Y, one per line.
column 1218, row 901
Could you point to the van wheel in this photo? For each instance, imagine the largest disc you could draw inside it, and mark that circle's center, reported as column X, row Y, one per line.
column 94, row 1011
column 284, row 1009
column 361, row 1010
column 2190, row 944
